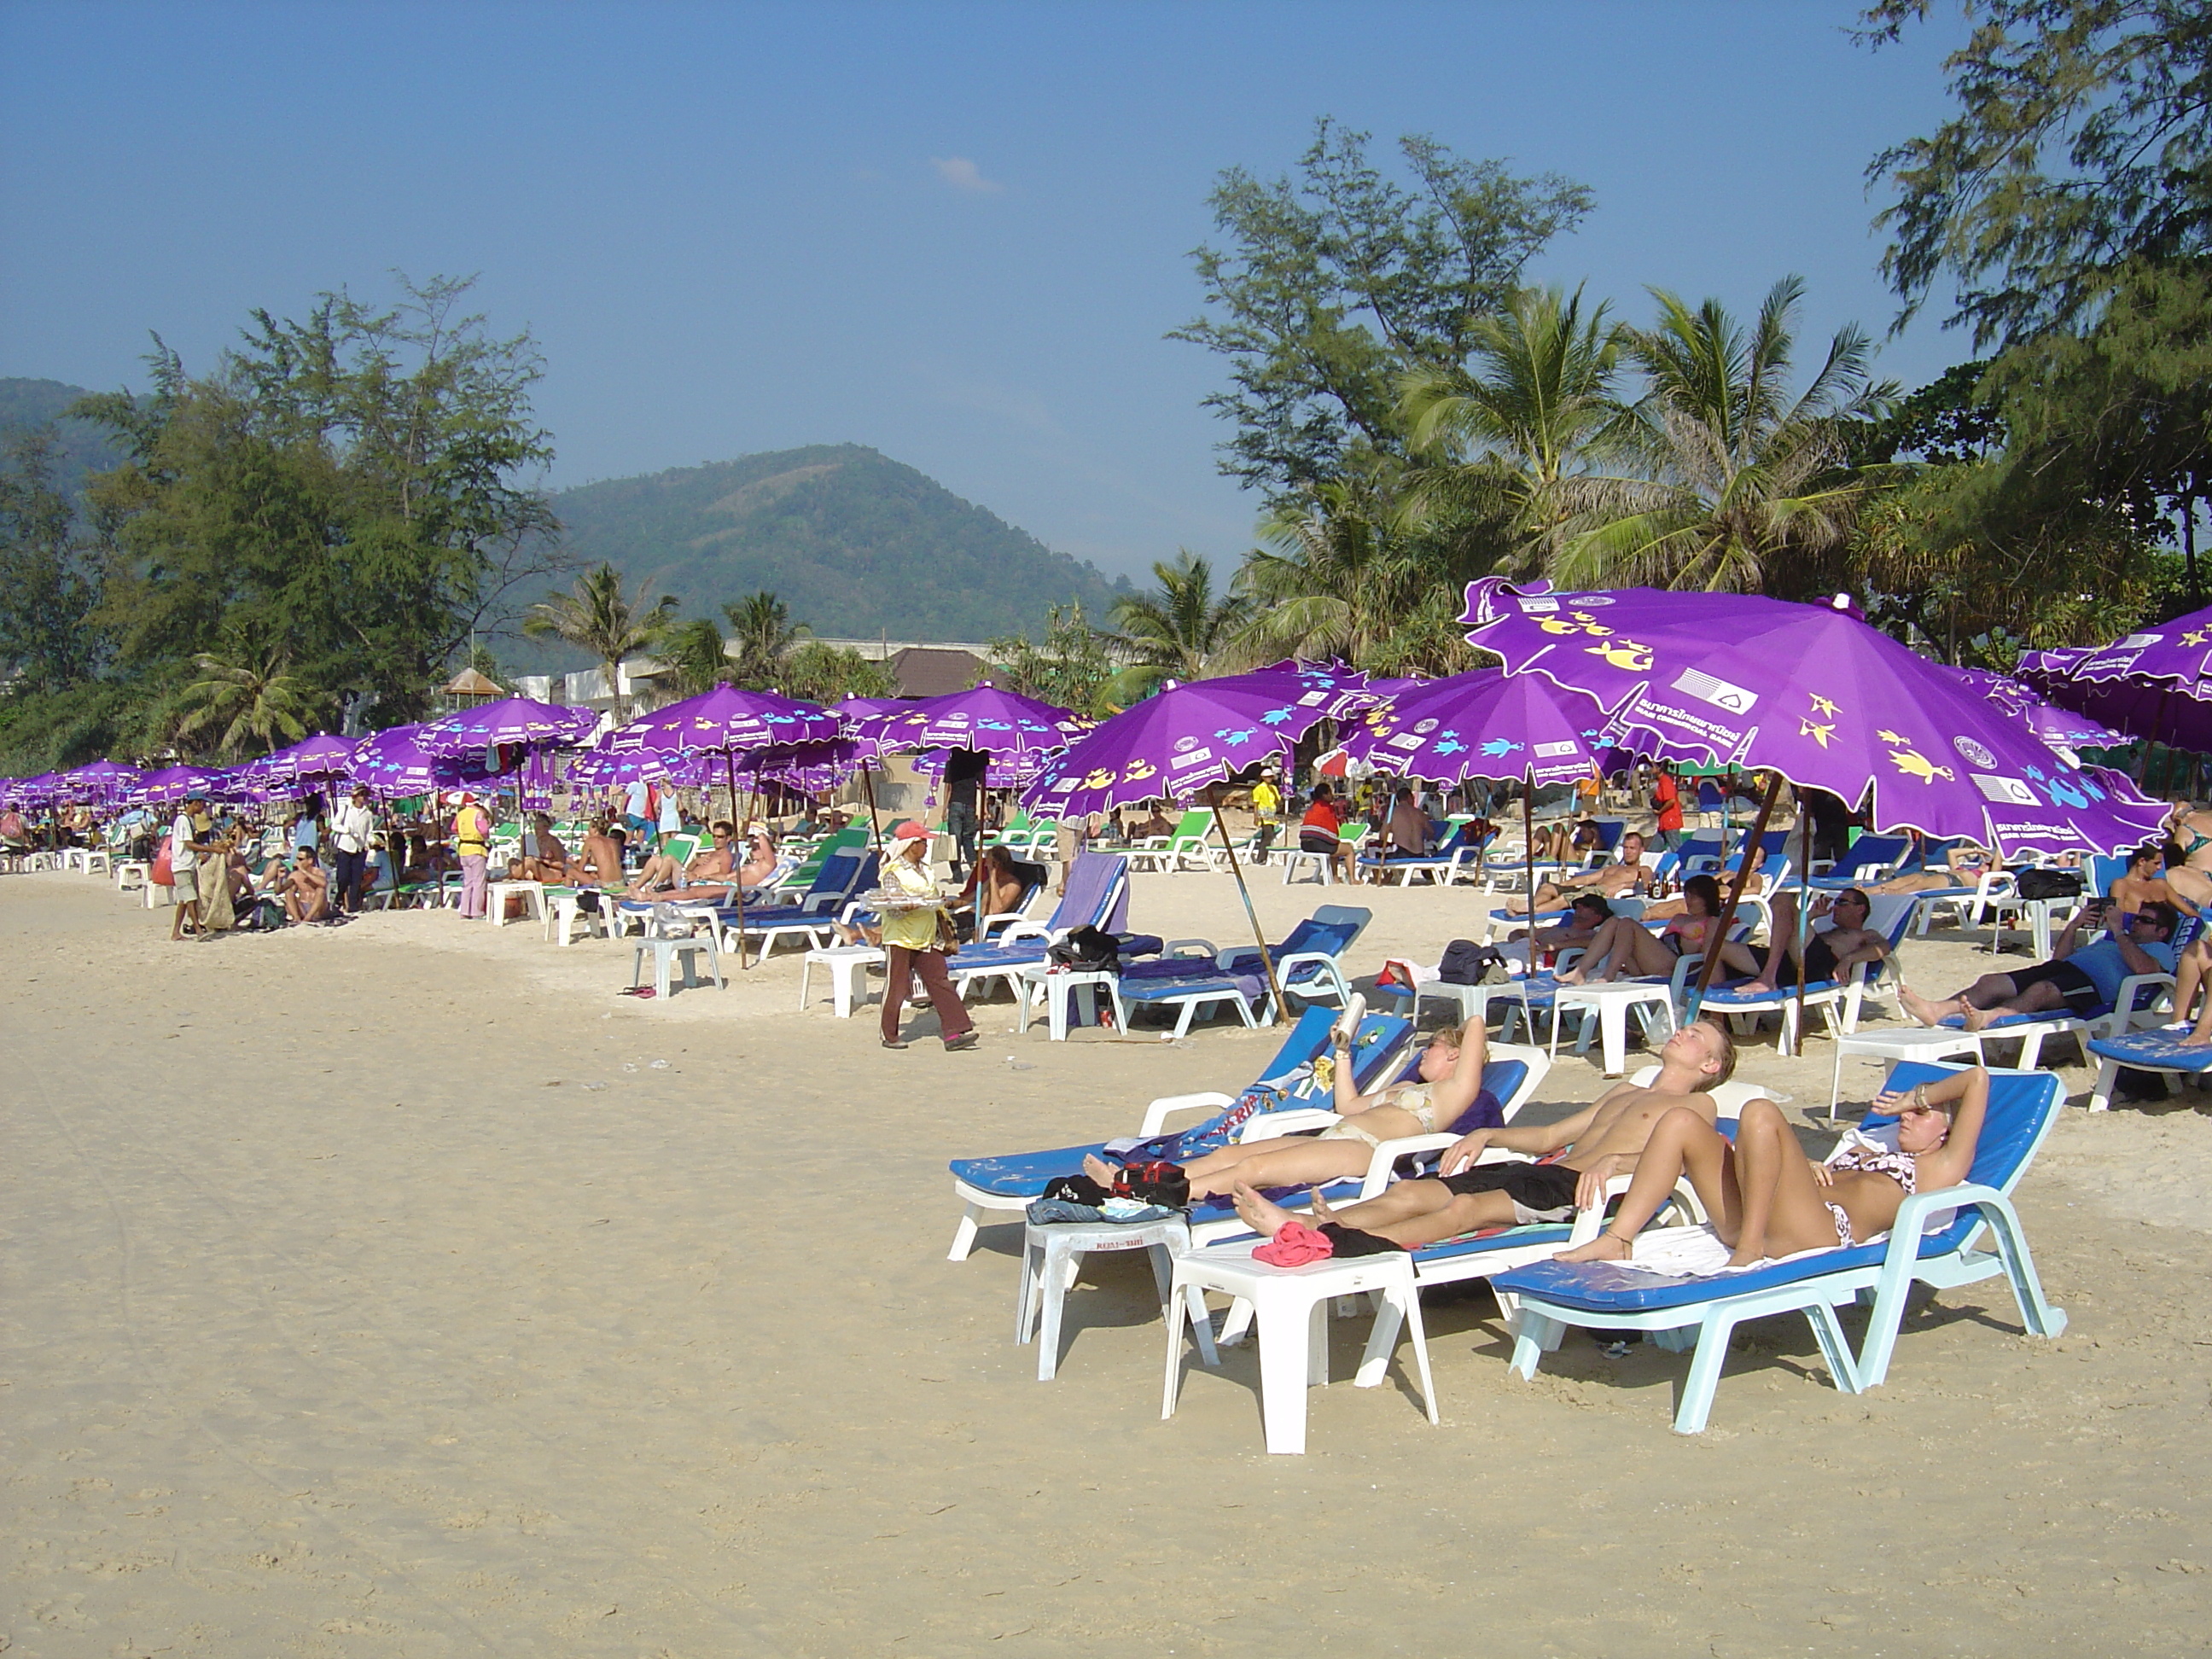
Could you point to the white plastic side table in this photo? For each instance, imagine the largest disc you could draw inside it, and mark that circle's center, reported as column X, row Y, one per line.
column 1290, row 1305
column 1059, row 988
column 1052, row 1253
column 1613, row 998
column 847, row 964
column 533, row 894
column 1905, row 1042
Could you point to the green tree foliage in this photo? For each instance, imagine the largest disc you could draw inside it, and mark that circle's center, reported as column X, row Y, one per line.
column 763, row 636
column 349, row 494
column 253, row 708
column 49, row 587
column 1072, row 667
column 1328, row 288
column 1739, row 483
column 596, row 616
column 1182, row 629
column 700, row 655
column 827, row 673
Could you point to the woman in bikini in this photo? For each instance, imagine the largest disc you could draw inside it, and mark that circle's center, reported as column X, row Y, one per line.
column 1624, row 948
column 1767, row 1199
column 1450, row 1085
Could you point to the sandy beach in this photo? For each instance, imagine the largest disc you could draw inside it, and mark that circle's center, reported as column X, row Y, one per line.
column 399, row 1290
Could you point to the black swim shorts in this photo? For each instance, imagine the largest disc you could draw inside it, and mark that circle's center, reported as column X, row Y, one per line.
column 2073, row 984
column 1540, row 1192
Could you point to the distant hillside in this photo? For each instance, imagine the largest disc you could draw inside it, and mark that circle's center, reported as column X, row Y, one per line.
column 83, row 447
column 854, row 541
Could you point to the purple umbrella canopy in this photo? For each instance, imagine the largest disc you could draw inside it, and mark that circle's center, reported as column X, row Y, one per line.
column 1182, row 738
column 2173, row 656
column 2062, row 729
column 100, row 781
column 1816, row 695
column 176, row 783
column 983, row 718
column 391, row 763
column 596, row 768
column 510, row 722
column 2161, row 713
column 1487, row 725
column 319, row 757
column 38, row 791
column 723, row 719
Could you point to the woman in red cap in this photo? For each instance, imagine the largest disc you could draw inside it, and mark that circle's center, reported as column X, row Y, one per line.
column 911, row 940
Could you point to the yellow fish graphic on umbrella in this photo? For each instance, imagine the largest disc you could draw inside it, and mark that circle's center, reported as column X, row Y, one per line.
column 1910, row 761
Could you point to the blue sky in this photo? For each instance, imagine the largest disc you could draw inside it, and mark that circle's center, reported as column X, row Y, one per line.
column 956, row 233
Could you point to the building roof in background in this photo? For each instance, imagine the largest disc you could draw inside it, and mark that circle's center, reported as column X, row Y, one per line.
column 469, row 683
column 931, row 671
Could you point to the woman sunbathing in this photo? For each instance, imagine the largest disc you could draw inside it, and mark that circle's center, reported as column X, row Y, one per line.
column 1766, row 1199
column 1624, row 948
column 711, row 864
column 1450, row 1087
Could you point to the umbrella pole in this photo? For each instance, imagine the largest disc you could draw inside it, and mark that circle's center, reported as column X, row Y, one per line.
column 1274, row 985
column 742, row 851
column 1804, row 905
column 1528, row 855
column 1712, row 961
column 868, row 788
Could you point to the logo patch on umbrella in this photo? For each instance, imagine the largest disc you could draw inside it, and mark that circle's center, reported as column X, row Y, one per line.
column 1972, row 753
column 2012, row 792
column 1554, row 750
column 1184, row 743
column 1736, row 699
column 1425, row 727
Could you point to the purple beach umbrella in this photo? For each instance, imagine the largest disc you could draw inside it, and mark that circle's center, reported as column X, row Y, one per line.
column 2061, row 729
column 391, row 763
column 510, row 722
column 100, row 780
column 1816, row 696
column 174, row 783
column 982, row 718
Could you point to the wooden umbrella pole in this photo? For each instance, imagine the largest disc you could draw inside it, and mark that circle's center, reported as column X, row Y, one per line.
column 1267, row 961
column 739, row 855
column 868, row 788
column 1804, row 906
column 1736, row 893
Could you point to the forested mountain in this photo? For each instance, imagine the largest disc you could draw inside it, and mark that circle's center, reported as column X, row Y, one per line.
column 856, row 542
column 81, row 448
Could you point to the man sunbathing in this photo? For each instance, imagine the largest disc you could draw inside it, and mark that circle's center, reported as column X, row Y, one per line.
column 307, row 889
column 1581, row 1154
column 710, row 863
column 1628, row 874
column 1962, row 866
column 2079, row 979
column 1767, row 1199
column 602, row 859
column 1450, row 1089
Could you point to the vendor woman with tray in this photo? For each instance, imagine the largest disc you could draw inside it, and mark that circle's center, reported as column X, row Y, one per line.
column 917, row 937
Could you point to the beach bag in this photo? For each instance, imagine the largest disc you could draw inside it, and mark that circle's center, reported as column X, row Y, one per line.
column 2049, row 883
column 1087, row 951
column 162, row 875
column 1466, row 962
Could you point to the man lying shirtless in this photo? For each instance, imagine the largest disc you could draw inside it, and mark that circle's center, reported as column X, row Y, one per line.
column 1627, row 874
column 1450, row 1089
column 1584, row 1151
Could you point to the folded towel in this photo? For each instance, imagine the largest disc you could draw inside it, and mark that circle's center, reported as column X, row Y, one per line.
column 1297, row 1245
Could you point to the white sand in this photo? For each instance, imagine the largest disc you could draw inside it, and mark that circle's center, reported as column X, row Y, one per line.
column 345, row 1316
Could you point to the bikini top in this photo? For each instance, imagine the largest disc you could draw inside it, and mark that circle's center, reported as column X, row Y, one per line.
column 1900, row 1167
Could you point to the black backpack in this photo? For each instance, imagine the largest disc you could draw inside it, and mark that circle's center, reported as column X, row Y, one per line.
column 1088, row 950
column 1466, row 962
column 2048, row 884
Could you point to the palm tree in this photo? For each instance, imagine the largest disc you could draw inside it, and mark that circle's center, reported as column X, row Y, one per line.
column 696, row 651
column 1342, row 572
column 1733, row 485
column 596, row 616
column 1180, row 630
column 257, row 705
column 762, row 628
column 1530, row 416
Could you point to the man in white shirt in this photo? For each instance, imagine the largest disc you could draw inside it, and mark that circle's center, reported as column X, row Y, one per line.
column 351, row 826
column 184, row 850
column 635, row 800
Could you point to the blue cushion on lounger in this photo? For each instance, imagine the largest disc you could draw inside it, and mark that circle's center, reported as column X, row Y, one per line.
column 2163, row 1049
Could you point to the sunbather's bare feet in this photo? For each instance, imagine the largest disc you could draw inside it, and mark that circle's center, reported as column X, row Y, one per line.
column 1744, row 1255
column 1919, row 1007
column 1569, row 976
column 1605, row 1247
column 1262, row 1215
column 1976, row 1018
column 2201, row 1035
column 1321, row 1212
column 1756, row 987
column 1099, row 1170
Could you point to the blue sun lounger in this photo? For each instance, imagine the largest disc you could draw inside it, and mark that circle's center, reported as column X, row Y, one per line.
column 1096, row 895
column 1306, row 963
column 1004, row 1186
column 2162, row 1052
column 1704, row 1311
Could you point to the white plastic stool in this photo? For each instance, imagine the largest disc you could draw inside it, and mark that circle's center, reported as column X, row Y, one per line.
column 664, row 951
column 847, row 964
column 566, row 909
column 131, row 876
column 1052, row 1255
column 1292, row 1307
column 1058, row 989
column 1612, row 999
column 1323, row 865
column 533, row 893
